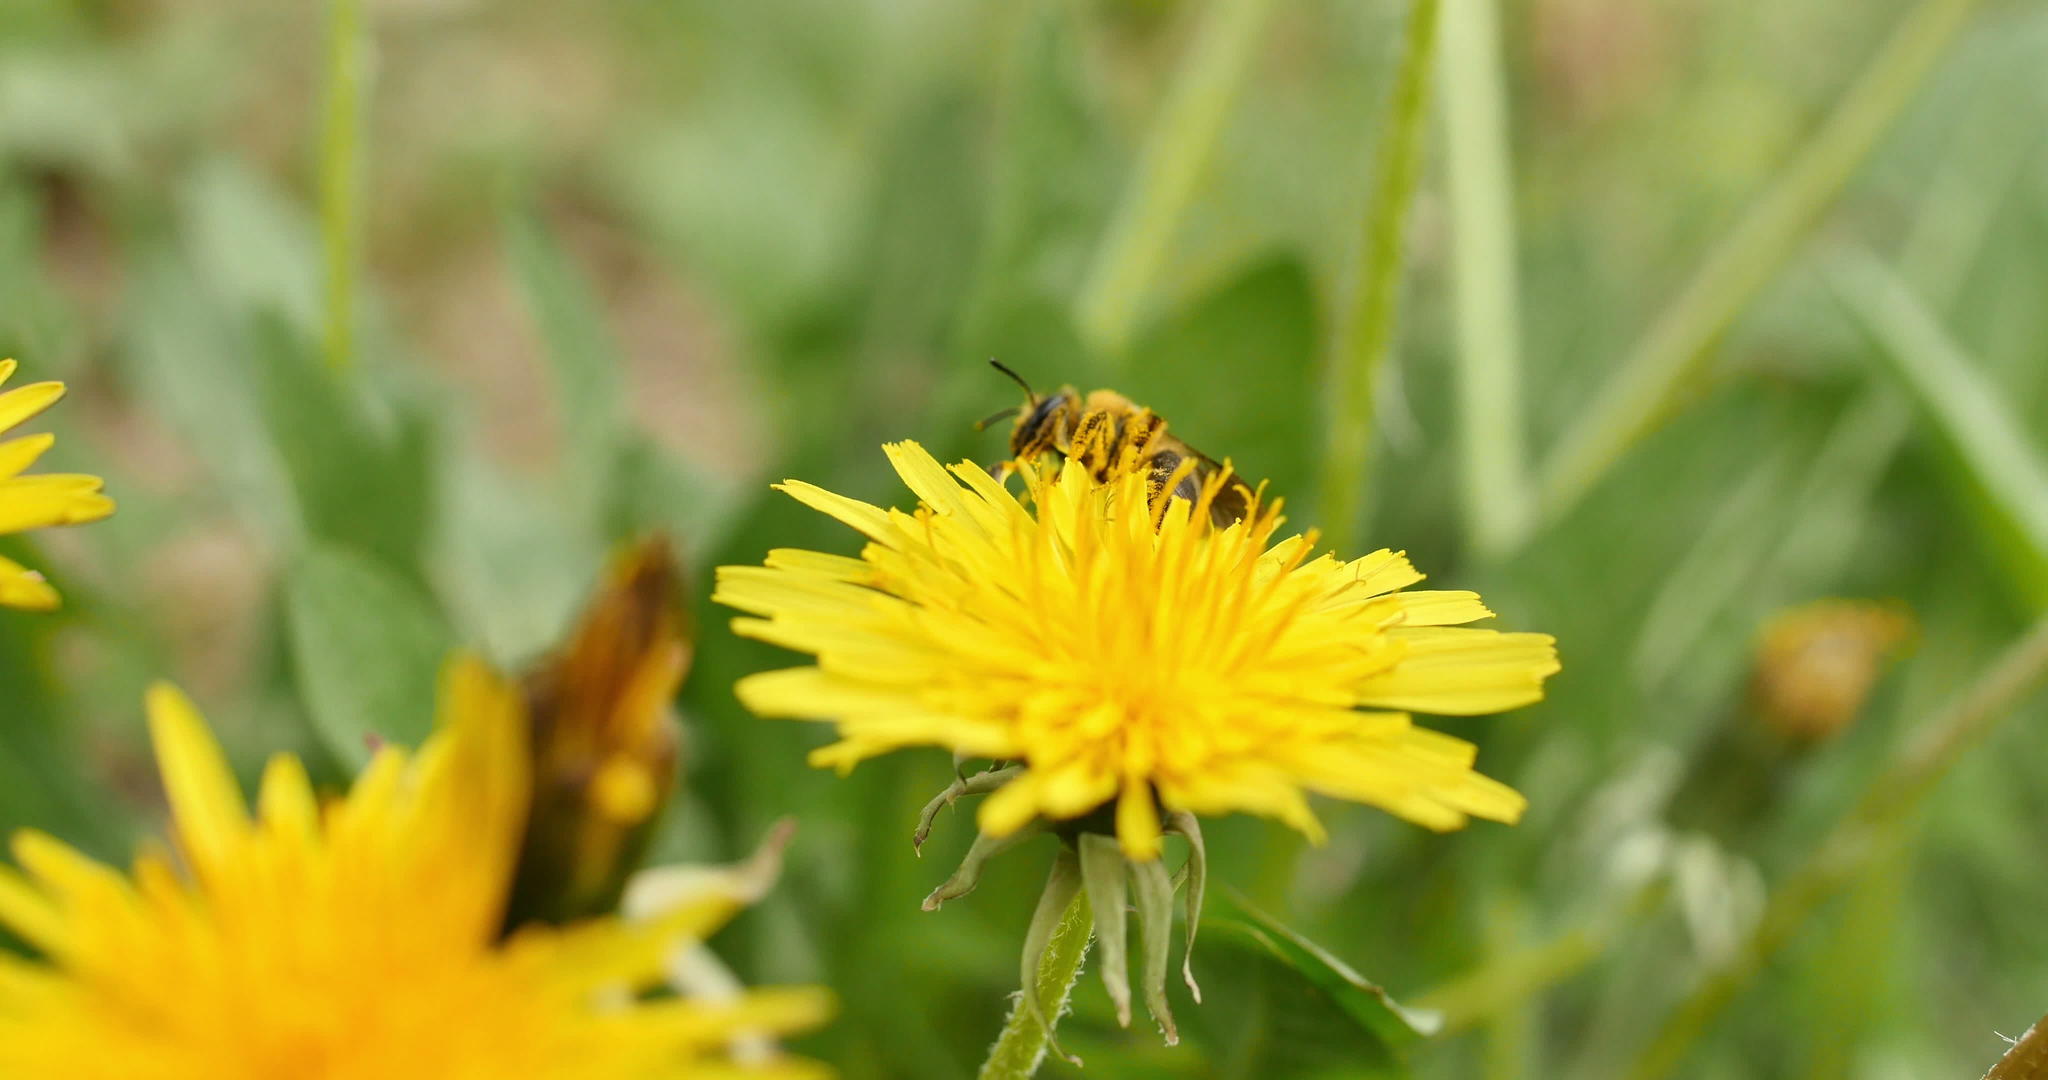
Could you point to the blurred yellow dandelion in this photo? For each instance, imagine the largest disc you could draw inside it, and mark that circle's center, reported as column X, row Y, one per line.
column 355, row 940
column 1169, row 666
column 36, row 502
column 1817, row 663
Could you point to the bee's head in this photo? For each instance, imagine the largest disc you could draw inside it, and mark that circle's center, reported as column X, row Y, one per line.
column 1040, row 420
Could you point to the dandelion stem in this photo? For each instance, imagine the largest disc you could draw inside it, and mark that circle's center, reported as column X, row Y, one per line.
column 1020, row 1048
column 1175, row 155
column 1670, row 354
column 341, row 175
column 1874, row 826
column 1492, row 485
column 1366, row 336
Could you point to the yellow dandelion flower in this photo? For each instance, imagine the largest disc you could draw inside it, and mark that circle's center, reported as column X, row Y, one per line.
column 36, row 502
column 1169, row 666
column 355, row 940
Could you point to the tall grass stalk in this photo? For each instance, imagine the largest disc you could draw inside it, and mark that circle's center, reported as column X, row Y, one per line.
column 341, row 176
column 1990, row 447
column 1021, row 1047
column 1962, row 198
column 1490, row 440
column 1366, row 333
column 1175, row 156
column 1872, row 827
column 1670, row 354
column 1948, row 232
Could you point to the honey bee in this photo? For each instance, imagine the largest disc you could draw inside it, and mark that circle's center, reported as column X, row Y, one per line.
column 1105, row 431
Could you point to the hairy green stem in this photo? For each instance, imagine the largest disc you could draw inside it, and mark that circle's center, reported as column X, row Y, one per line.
column 1366, row 335
column 1656, row 372
column 1021, row 1047
column 1871, row 828
column 2028, row 1058
column 1176, row 154
column 341, row 176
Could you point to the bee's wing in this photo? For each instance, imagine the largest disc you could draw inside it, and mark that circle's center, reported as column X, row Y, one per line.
column 1232, row 504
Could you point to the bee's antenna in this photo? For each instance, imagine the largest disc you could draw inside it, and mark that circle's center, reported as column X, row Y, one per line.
column 1015, row 378
column 1005, row 414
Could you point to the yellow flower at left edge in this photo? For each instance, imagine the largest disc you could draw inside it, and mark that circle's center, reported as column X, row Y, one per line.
column 359, row 939
column 36, row 502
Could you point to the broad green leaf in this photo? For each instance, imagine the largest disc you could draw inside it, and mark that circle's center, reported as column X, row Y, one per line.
column 367, row 648
column 582, row 356
column 59, row 107
column 655, row 491
column 511, row 567
column 251, row 247
column 358, row 459
column 36, row 318
column 769, row 224
column 618, row 481
column 38, row 788
column 186, row 360
column 1277, row 1004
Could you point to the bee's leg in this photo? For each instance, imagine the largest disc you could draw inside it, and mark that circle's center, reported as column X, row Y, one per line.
column 1164, row 465
column 1136, row 435
column 1141, row 431
column 1093, row 443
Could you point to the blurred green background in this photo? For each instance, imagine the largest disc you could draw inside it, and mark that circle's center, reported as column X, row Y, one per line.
column 369, row 390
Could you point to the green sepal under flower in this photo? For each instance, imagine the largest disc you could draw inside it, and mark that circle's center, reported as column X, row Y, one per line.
column 1092, row 860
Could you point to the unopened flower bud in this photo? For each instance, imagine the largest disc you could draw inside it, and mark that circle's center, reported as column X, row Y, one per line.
column 605, row 742
column 1817, row 663
column 1091, row 859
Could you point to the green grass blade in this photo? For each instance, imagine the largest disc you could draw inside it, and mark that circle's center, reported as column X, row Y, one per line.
column 1644, row 389
column 1175, row 156
column 1748, row 555
column 1996, row 459
column 1491, row 483
column 1366, row 336
column 1865, row 834
column 341, row 175
column 1721, row 562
